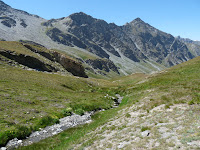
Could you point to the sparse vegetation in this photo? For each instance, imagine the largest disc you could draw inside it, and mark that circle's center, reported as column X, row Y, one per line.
column 67, row 112
column 144, row 129
column 128, row 115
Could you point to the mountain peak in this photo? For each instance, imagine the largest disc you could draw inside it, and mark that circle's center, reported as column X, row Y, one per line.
column 79, row 14
column 82, row 18
column 137, row 20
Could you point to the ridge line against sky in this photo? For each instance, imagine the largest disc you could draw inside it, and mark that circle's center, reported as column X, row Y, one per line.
column 177, row 17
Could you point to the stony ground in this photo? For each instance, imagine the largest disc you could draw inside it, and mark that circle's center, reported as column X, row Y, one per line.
column 174, row 127
column 65, row 123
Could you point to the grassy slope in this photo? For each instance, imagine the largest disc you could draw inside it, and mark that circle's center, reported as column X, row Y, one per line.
column 28, row 96
column 179, row 84
column 18, row 48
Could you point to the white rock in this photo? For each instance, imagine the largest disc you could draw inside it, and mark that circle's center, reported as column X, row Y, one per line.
column 145, row 133
column 194, row 143
column 121, row 145
column 19, row 141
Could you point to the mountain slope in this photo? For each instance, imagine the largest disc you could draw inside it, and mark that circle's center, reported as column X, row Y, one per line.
column 134, row 47
column 16, row 24
column 137, row 40
column 157, row 45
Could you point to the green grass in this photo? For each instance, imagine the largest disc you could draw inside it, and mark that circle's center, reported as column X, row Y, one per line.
column 145, row 128
column 180, row 84
column 28, row 96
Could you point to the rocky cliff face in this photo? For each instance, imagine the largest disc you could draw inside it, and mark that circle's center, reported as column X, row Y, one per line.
column 28, row 61
column 134, row 47
column 103, row 64
column 70, row 65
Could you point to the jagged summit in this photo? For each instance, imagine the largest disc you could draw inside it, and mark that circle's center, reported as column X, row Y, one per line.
column 2, row 3
column 138, row 20
column 79, row 14
column 135, row 21
column 81, row 18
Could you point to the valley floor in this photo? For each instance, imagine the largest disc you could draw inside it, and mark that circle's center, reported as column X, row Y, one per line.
column 159, row 111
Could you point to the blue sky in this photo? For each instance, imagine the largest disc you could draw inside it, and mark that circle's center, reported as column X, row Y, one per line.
column 177, row 17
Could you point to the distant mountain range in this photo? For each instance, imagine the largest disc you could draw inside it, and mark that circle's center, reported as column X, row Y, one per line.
column 193, row 46
column 187, row 40
column 134, row 47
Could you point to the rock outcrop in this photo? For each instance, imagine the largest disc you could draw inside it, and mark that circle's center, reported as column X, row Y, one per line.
column 9, row 22
column 28, row 61
column 35, row 56
column 43, row 53
column 70, row 65
column 102, row 64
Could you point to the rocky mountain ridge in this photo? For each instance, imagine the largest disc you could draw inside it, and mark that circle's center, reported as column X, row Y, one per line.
column 134, row 47
column 187, row 40
column 136, row 40
column 193, row 46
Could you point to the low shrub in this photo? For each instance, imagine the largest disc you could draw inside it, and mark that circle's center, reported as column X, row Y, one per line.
column 144, row 129
column 67, row 112
column 191, row 102
column 4, row 138
column 46, row 121
column 79, row 111
column 128, row 115
column 20, row 132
